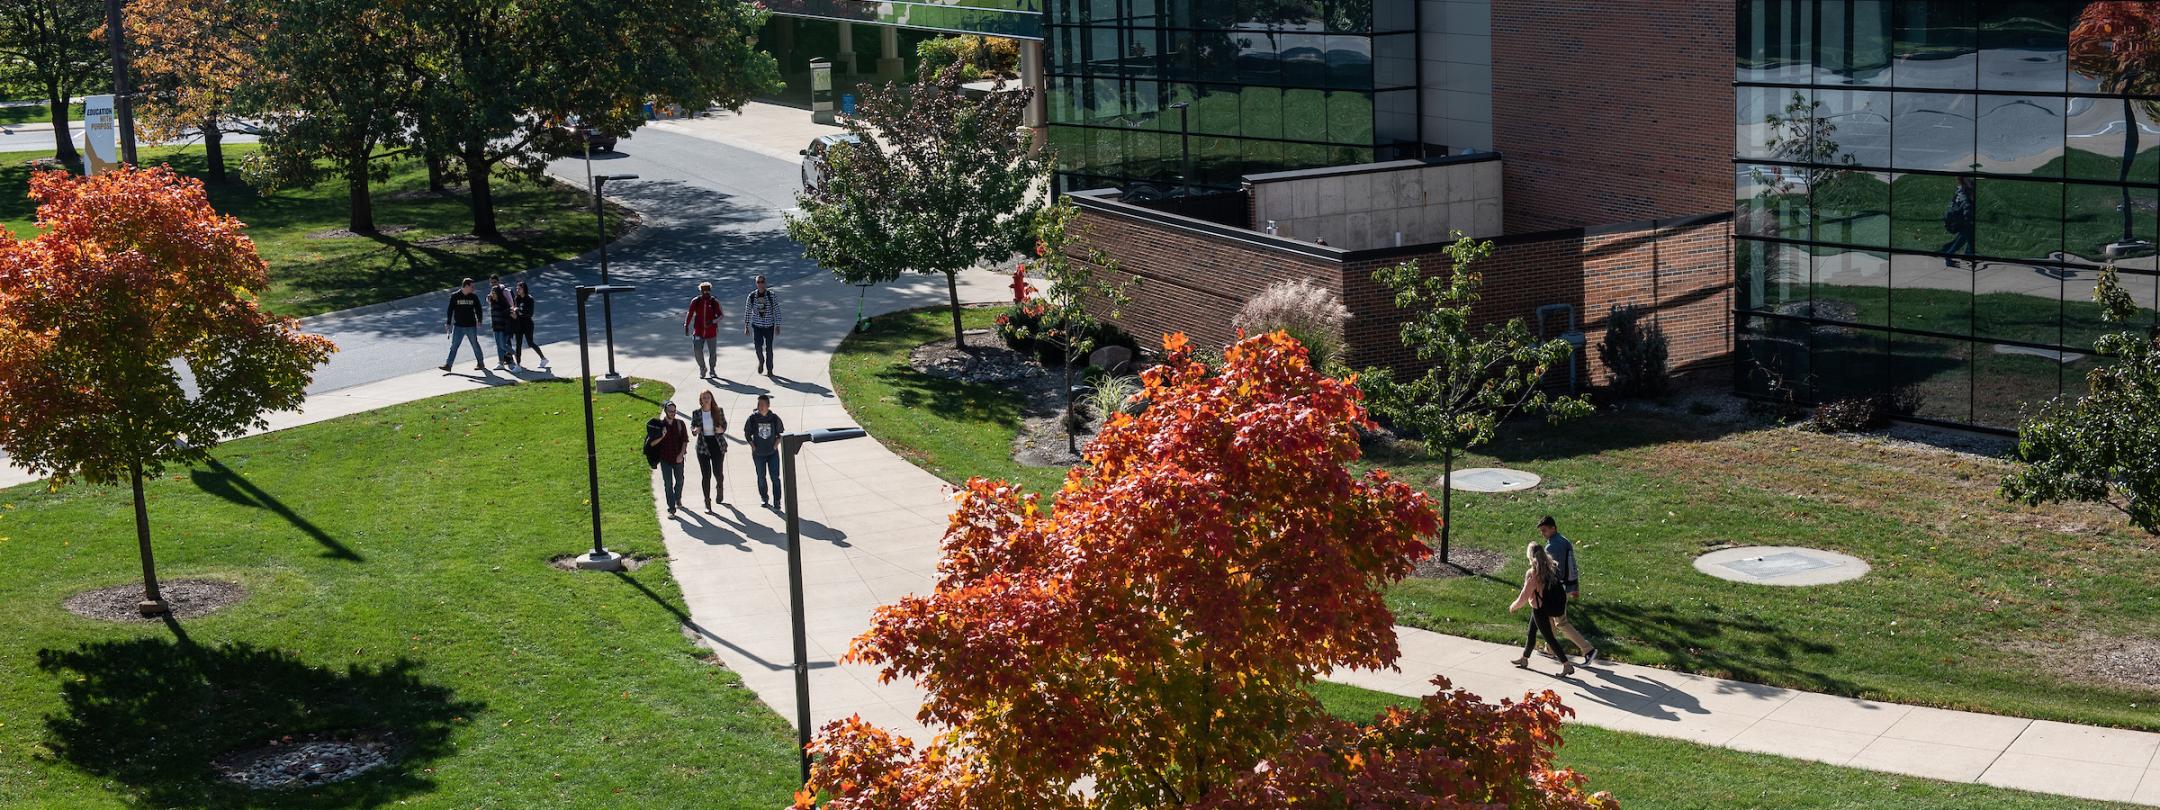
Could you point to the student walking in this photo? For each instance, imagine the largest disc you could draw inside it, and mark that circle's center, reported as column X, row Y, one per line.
column 525, row 329
column 709, row 427
column 763, row 431
column 1546, row 597
column 1959, row 219
column 667, row 441
column 702, row 324
column 502, row 314
column 1562, row 554
column 462, row 321
column 761, row 320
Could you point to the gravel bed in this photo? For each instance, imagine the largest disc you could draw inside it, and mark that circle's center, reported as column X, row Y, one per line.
column 299, row 762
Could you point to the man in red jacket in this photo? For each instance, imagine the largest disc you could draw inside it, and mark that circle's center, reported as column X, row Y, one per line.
column 702, row 324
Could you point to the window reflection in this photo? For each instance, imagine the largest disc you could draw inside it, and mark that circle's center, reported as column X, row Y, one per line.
column 1934, row 373
column 2022, row 44
column 1852, row 286
column 1932, row 131
column 2021, row 135
column 1932, row 45
column 1853, row 42
column 1773, row 41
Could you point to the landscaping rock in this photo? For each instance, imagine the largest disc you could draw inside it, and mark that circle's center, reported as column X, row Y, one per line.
column 980, row 362
column 569, row 562
column 299, row 762
column 185, row 598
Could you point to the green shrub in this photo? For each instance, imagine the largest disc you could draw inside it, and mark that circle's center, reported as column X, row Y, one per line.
column 1635, row 349
column 1001, row 56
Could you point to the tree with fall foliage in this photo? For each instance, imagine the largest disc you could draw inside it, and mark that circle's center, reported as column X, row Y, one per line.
column 331, row 89
column 1476, row 377
column 51, row 45
column 1152, row 635
column 130, row 272
column 938, row 181
column 2119, row 45
column 190, row 57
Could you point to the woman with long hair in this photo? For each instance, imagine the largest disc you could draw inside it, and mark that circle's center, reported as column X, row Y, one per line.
column 1546, row 595
column 709, row 427
column 524, row 336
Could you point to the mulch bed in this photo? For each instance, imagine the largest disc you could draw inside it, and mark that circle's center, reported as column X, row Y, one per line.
column 186, row 598
column 568, row 562
column 341, row 233
column 985, row 360
column 1462, row 562
column 304, row 761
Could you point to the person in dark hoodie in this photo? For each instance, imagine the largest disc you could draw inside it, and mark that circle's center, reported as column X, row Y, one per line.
column 762, row 430
column 502, row 313
column 462, row 321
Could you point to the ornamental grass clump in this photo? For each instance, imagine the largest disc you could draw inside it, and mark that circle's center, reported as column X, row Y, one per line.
column 1311, row 314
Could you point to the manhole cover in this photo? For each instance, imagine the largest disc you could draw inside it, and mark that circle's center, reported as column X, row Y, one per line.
column 1781, row 565
column 1492, row 479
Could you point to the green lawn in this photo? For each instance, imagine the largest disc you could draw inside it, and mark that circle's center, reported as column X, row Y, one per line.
column 1655, row 773
column 397, row 565
column 41, row 113
column 1973, row 603
column 311, row 274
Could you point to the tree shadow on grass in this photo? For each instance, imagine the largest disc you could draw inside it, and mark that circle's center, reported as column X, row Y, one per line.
column 951, row 399
column 153, row 714
column 1710, row 641
column 223, row 482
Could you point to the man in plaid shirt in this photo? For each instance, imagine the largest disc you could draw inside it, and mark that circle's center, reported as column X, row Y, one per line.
column 761, row 320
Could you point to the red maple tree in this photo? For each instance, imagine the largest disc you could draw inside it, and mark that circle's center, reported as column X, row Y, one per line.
column 130, row 272
column 1148, row 642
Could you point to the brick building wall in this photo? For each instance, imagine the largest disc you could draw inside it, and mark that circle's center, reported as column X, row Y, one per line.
column 1612, row 111
column 1195, row 277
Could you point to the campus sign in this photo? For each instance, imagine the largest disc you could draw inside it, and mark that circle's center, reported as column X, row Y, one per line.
column 101, row 149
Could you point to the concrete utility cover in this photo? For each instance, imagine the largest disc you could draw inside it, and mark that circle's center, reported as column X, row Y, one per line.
column 1492, row 479
column 1781, row 565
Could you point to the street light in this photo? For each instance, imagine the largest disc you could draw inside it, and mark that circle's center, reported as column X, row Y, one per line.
column 790, row 443
column 1184, row 150
column 613, row 383
column 600, row 559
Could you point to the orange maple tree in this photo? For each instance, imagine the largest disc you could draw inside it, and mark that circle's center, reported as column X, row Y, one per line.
column 190, row 56
column 1148, row 641
column 2119, row 44
column 131, row 276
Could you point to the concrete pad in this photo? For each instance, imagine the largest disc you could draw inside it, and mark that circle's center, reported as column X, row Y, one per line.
column 2148, row 791
column 1789, row 566
column 1801, row 742
column 1966, row 729
column 2108, row 746
column 2066, row 777
column 1924, row 759
column 1491, row 479
column 1839, row 714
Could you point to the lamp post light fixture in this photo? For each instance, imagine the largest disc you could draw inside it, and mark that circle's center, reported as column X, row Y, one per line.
column 600, row 559
column 790, row 444
column 612, row 383
column 1184, row 149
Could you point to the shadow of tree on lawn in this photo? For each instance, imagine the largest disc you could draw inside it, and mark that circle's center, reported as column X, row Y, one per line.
column 1713, row 642
column 153, row 714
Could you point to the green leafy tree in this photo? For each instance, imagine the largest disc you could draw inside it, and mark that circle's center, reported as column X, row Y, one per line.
column 1476, row 377
column 1076, row 289
column 51, row 45
column 131, row 271
column 2103, row 447
column 495, row 81
column 938, row 182
column 334, row 81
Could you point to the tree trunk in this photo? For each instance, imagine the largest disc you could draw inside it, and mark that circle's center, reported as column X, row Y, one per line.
column 1072, row 438
column 435, row 174
column 63, row 146
column 1447, row 500
column 360, row 207
column 481, row 193
column 213, row 141
column 952, row 291
column 2130, row 142
column 153, row 603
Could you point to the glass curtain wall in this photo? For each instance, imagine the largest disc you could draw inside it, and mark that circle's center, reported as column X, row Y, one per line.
column 1926, row 190
column 1268, row 85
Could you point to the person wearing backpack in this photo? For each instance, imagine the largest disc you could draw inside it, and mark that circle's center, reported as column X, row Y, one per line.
column 1959, row 220
column 1562, row 554
column 1546, row 596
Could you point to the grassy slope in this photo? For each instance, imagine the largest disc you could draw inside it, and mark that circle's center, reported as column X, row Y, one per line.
column 1965, row 589
column 38, row 114
column 308, row 275
column 398, row 569
column 1654, row 773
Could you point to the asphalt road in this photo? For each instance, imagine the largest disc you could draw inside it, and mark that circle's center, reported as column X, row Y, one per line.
column 712, row 213
column 40, row 139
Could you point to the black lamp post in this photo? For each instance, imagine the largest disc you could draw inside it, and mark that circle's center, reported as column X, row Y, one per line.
column 790, row 444
column 600, row 558
column 1184, row 150
column 613, row 382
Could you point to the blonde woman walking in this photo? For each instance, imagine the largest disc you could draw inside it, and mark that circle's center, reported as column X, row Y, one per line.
column 1546, row 595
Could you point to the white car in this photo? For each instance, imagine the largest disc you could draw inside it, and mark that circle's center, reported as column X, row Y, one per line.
column 813, row 162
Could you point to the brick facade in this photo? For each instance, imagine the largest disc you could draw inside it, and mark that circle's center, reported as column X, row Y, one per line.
column 1612, row 111
column 1194, row 278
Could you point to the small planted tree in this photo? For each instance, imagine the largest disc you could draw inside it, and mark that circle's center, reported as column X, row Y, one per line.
column 131, row 272
column 1075, row 286
column 937, row 182
column 1153, row 635
column 1475, row 378
column 2103, row 447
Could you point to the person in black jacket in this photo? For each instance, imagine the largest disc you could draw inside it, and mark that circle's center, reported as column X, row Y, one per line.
column 525, row 329
column 762, row 430
column 502, row 313
column 463, row 323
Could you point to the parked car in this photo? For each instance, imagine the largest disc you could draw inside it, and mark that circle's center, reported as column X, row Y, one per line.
column 813, row 162
column 599, row 141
